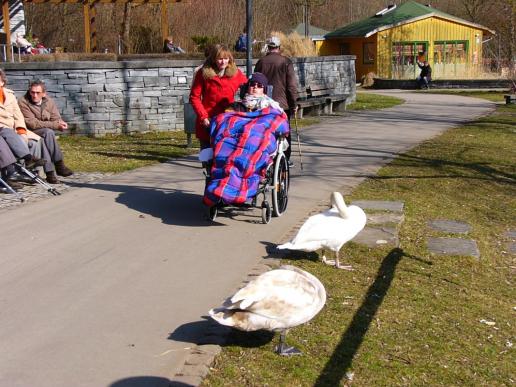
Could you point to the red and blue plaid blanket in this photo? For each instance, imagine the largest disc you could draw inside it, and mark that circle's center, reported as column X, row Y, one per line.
column 243, row 144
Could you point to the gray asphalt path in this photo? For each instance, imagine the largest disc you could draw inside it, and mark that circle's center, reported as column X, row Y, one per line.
column 109, row 281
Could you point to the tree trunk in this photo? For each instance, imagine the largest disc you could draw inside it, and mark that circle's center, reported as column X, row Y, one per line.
column 126, row 29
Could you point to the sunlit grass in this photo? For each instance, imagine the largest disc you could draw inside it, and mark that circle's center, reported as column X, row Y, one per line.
column 404, row 316
column 369, row 101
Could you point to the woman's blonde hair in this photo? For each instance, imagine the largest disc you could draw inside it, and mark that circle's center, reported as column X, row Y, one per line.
column 219, row 51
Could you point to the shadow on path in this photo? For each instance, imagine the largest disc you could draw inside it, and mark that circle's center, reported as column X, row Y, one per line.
column 145, row 381
column 172, row 206
column 208, row 331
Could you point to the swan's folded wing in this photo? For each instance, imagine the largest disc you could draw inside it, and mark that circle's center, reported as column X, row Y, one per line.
column 267, row 286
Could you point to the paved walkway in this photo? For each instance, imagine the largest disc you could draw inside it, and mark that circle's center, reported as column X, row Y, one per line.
column 109, row 282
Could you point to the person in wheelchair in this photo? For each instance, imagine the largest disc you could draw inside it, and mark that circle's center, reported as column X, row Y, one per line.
column 255, row 97
column 244, row 141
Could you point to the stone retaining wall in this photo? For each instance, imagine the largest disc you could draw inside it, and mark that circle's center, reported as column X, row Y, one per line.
column 97, row 98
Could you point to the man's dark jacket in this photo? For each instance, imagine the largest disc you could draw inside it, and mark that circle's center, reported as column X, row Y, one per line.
column 279, row 70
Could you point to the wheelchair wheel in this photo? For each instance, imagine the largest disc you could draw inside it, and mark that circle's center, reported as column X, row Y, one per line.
column 213, row 212
column 281, row 182
column 266, row 212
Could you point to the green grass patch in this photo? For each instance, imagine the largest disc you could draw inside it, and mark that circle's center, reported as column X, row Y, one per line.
column 491, row 95
column 368, row 101
column 117, row 153
column 404, row 316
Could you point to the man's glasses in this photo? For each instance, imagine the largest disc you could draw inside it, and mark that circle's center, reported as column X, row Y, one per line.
column 256, row 84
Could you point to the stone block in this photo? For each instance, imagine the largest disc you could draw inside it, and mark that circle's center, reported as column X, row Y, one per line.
column 116, row 116
column 114, row 74
column 77, row 74
column 450, row 226
column 375, row 237
column 96, row 117
column 511, row 248
column 453, row 246
column 69, row 87
column 88, row 88
column 152, row 93
column 168, row 100
column 97, row 77
column 115, row 86
column 384, row 218
column 143, row 73
column 151, row 81
column 139, row 104
column 164, row 82
column 511, row 234
column 172, row 92
column 166, row 72
column 379, row 205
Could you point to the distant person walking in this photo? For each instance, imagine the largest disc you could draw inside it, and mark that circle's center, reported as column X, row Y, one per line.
column 213, row 90
column 279, row 70
column 425, row 76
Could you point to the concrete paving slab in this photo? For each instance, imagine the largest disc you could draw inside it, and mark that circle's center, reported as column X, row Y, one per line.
column 374, row 237
column 453, row 246
column 379, row 205
column 511, row 234
column 112, row 280
column 450, row 226
column 384, row 218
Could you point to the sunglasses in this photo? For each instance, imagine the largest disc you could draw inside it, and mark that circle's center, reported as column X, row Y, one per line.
column 256, row 84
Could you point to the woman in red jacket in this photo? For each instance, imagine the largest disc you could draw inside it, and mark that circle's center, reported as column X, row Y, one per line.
column 213, row 90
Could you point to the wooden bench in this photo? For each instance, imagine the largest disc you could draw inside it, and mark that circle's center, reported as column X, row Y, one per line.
column 510, row 98
column 317, row 98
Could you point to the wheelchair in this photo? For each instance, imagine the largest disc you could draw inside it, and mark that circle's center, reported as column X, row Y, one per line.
column 272, row 193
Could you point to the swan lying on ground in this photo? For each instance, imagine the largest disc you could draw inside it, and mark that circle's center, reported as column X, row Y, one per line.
column 329, row 230
column 275, row 301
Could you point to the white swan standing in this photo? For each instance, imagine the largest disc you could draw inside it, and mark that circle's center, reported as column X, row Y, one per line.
column 329, row 230
column 275, row 301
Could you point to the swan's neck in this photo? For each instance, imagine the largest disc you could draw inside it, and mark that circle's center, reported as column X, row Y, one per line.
column 337, row 201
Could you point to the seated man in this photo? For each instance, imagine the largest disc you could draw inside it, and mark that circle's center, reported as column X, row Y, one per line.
column 11, row 121
column 42, row 117
column 244, row 141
